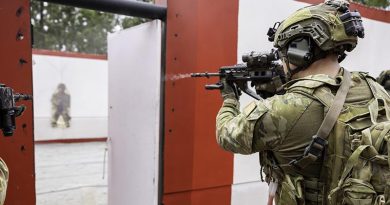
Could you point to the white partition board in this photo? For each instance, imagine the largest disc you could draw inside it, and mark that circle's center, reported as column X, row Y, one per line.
column 134, row 62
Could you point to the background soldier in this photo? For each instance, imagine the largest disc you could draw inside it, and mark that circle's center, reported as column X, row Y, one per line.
column 384, row 79
column 9, row 111
column 4, row 173
column 285, row 129
column 61, row 105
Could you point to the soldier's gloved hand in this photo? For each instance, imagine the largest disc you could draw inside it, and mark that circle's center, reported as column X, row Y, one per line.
column 19, row 110
column 227, row 91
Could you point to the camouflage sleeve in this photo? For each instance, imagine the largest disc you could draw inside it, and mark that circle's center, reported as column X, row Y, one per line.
column 261, row 126
column 274, row 126
column 234, row 129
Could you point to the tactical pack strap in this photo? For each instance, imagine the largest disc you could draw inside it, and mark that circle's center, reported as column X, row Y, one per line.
column 335, row 109
column 319, row 142
column 324, row 95
column 374, row 110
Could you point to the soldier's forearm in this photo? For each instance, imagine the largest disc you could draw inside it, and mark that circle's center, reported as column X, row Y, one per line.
column 231, row 129
column 230, row 108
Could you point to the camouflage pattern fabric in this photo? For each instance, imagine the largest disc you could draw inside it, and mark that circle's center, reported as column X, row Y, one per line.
column 321, row 22
column 285, row 124
column 3, row 181
column 276, row 118
column 60, row 107
column 236, row 130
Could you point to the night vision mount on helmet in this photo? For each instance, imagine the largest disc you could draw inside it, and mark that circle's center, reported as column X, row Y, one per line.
column 315, row 31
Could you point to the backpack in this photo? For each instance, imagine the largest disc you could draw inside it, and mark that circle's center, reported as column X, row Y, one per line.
column 365, row 177
column 356, row 168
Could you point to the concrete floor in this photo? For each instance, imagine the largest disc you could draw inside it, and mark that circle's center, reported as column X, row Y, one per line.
column 71, row 174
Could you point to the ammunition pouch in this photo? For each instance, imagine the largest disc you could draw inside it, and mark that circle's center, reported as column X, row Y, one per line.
column 297, row 190
column 291, row 191
column 357, row 191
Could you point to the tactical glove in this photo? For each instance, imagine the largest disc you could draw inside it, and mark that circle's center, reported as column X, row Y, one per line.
column 19, row 110
column 229, row 91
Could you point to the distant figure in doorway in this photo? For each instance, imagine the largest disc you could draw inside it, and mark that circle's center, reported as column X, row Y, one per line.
column 61, row 106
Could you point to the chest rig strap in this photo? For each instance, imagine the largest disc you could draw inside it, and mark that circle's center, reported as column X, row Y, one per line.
column 316, row 147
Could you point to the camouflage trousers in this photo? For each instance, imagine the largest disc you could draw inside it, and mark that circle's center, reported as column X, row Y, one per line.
column 3, row 181
column 65, row 116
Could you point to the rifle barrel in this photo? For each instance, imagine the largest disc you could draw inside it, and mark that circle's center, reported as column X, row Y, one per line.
column 206, row 74
column 18, row 97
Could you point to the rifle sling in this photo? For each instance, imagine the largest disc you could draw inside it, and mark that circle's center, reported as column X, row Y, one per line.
column 335, row 110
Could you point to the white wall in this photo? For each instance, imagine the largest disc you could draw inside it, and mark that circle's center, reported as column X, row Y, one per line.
column 134, row 58
column 371, row 54
column 87, row 83
column 85, row 79
column 255, row 17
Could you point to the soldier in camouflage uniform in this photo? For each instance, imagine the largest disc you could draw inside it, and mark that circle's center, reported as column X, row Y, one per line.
column 311, row 42
column 61, row 106
column 384, row 79
column 3, row 181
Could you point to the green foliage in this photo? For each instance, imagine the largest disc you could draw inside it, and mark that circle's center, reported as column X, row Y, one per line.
column 383, row 4
column 65, row 28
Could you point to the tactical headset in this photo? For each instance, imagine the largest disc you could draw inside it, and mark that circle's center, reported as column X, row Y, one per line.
column 300, row 52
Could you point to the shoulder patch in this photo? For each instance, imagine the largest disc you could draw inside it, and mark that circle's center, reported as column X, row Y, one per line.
column 255, row 110
column 249, row 108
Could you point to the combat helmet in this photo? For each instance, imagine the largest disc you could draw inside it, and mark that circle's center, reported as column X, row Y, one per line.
column 329, row 27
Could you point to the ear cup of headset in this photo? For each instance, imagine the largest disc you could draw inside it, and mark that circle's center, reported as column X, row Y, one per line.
column 300, row 52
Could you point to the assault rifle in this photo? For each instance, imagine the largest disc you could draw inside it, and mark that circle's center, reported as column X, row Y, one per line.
column 8, row 110
column 262, row 70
